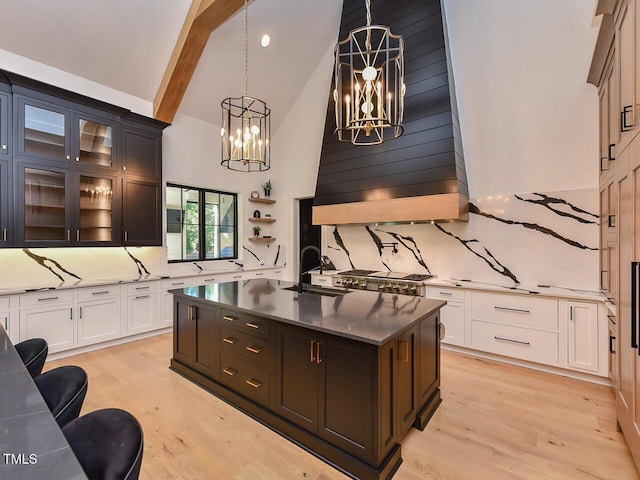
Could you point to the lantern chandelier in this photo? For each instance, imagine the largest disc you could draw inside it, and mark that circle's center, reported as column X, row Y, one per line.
column 246, row 123
column 369, row 85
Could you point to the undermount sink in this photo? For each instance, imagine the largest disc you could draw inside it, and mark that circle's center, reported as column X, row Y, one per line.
column 327, row 292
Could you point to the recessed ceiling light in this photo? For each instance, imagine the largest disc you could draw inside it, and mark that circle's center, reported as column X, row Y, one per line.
column 266, row 40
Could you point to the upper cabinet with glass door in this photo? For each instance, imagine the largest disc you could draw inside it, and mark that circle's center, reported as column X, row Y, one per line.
column 53, row 132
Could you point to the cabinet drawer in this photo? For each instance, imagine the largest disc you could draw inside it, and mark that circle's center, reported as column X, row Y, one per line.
column 245, row 323
column 515, row 310
column 523, row 343
column 244, row 345
column 4, row 303
column 97, row 293
column 46, row 298
column 244, row 377
column 445, row 293
column 139, row 288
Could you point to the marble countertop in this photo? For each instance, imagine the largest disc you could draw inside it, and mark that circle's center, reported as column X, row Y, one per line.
column 94, row 282
column 541, row 290
column 27, row 428
column 368, row 317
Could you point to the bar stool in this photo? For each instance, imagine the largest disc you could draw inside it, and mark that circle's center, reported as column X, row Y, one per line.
column 33, row 353
column 108, row 444
column 63, row 389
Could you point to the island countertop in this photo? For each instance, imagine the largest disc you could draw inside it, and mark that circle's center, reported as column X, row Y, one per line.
column 368, row 317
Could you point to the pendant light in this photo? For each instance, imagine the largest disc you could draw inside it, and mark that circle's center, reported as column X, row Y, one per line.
column 369, row 85
column 246, row 123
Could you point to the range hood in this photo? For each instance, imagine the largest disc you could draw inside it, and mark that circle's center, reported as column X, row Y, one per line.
column 420, row 176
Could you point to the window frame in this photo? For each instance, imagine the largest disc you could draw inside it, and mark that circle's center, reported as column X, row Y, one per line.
column 202, row 194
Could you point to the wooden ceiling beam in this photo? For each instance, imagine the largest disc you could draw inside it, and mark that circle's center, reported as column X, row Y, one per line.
column 203, row 17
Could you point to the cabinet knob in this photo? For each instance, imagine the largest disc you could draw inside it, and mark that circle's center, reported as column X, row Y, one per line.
column 124, row 168
column 68, row 157
column 77, row 159
column 4, row 147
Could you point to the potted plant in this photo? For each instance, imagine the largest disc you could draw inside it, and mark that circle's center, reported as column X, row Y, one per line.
column 266, row 188
column 256, row 231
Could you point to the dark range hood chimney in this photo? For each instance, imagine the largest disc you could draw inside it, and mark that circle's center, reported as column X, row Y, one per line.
column 420, row 176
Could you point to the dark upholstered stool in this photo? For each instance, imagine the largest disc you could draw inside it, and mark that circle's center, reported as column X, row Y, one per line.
column 63, row 389
column 33, row 353
column 108, row 444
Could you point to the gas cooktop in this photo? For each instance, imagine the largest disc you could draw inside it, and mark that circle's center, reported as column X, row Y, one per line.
column 414, row 277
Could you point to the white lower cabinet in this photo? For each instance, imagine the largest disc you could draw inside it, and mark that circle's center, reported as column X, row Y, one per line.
column 52, row 319
column 98, row 314
column 453, row 314
column 582, row 330
column 5, row 306
column 141, row 307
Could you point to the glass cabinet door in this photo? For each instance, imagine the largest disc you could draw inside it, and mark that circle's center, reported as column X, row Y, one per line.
column 95, row 143
column 43, row 132
column 44, row 206
column 96, row 210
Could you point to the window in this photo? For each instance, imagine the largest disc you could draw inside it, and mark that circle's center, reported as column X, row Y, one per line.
column 201, row 224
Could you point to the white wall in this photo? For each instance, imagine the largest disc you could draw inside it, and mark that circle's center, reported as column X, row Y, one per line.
column 528, row 118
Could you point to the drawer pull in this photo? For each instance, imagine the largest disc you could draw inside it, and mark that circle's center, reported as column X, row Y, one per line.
column 209, row 280
column 47, row 299
column 237, row 276
column 230, row 371
column 143, row 288
column 175, row 284
column 512, row 341
column 230, row 340
column 312, row 353
column 192, row 312
column 254, row 383
column 448, row 294
column 611, row 340
column 229, row 318
column 259, row 274
column 142, row 296
column 252, row 349
column 252, row 325
column 103, row 292
column 507, row 309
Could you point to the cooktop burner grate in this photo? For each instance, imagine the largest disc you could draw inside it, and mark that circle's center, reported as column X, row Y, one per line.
column 357, row 272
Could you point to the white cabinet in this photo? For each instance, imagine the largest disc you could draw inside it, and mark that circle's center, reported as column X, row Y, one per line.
column 141, row 307
column 453, row 314
column 50, row 316
column 582, row 333
column 98, row 314
column 5, row 305
column 516, row 326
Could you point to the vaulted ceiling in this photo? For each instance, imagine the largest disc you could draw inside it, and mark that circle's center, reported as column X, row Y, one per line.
column 127, row 45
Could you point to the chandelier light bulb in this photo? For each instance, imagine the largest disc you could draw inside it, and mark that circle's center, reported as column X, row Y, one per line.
column 265, row 41
column 222, row 132
column 255, row 130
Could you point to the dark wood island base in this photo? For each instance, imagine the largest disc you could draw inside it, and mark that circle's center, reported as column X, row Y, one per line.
column 344, row 385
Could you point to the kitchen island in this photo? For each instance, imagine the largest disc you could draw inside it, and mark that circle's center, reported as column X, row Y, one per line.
column 344, row 374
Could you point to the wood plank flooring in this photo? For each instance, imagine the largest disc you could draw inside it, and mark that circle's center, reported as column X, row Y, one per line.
column 496, row 422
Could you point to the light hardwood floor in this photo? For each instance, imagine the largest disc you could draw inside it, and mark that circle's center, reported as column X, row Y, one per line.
column 496, row 422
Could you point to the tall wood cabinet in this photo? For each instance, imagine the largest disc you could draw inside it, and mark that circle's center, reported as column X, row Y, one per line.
column 75, row 171
column 615, row 70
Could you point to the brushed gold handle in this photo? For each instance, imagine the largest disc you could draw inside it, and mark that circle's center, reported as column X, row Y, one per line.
column 253, row 325
column 312, row 354
column 4, row 147
column 77, row 235
column 403, row 352
column 126, row 236
column 77, row 159
column 68, row 157
column 318, row 357
column 229, row 318
column 4, row 234
column 192, row 312
column 68, row 235
column 253, row 349
column 254, row 383
column 230, row 340
column 230, row 371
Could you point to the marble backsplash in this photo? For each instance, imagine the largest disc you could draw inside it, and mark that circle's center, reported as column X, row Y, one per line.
column 55, row 267
column 533, row 239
